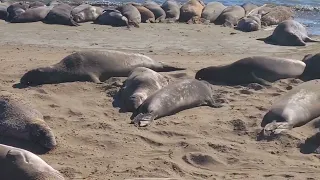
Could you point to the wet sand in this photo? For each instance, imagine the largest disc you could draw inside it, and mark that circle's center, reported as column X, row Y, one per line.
column 95, row 141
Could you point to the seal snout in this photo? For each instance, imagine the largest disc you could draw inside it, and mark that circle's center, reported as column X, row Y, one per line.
column 42, row 134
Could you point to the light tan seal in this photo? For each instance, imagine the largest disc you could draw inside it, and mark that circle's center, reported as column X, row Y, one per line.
column 20, row 120
column 19, row 164
column 191, row 9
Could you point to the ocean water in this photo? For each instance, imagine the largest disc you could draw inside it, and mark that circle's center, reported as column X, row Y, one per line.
column 308, row 11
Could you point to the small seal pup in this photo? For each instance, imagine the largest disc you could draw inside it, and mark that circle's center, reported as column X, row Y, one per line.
column 156, row 9
column 294, row 109
column 212, row 11
column 92, row 66
column 174, row 98
column 191, row 9
column 112, row 17
column 250, row 23
column 131, row 13
column 255, row 69
column 172, row 9
column 289, row 33
column 311, row 71
column 141, row 83
column 86, row 13
column 147, row 16
column 32, row 15
column 60, row 14
column 20, row 164
column 20, row 120
column 230, row 16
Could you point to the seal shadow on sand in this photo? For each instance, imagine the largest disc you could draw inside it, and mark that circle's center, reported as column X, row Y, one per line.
column 23, row 144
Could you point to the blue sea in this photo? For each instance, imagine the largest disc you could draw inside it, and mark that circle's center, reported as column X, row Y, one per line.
column 308, row 11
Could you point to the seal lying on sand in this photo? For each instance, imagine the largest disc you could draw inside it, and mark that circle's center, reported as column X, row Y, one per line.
column 275, row 15
column 19, row 164
column 289, row 33
column 141, row 83
column 212, row 11
column 146, row 15
column 256, row 69
column 172, row 9
column 32, row 15
column 131, row 13
column 92, row 66
column 112, row 17
column 16, row 9
column 311, row 71
column 156, row 9
column 230, row 16
column 296, row 108
column 174, row 98
column 19, row 119
column 86, row 13
column 191, row 9
column 60, row 14
column 3, row 11
column 250, row 23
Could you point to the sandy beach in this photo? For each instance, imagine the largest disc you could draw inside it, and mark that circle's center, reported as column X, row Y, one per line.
column 96, row 141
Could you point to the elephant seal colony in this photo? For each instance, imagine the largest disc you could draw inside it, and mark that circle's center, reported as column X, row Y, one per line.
column 19, row 164
column 139, row 85
column 256, row 69
column 296, row 108
column 20, row 120
column 92, row 66
column 174, row 98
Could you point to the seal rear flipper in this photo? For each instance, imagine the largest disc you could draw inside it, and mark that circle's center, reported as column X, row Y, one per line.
column 94, row 78
column 143, row 120
column 167, row 68
column 308, row 39
column 260, row 80
column 275, row 128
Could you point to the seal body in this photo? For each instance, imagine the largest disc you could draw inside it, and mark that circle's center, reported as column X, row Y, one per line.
column 230, row 16
column 156, row 9
column 311, row 71
column 290, row 33
column 255, row 69
column 16, row 9
column 20, row 120
column 248, row 7
column 250, row 23
column 86, row 13
column 141, row 83
column 212, row 11
column 32, row 15
column 147, row 16
column 112, row 17
column 172, row 9
column 296, row 108
column 131, row 13
column 60, row 14
column 92, row 66
column 19, row 164
column 174, row 98
column 3, row 11
column 191, row 9
column 275, row 15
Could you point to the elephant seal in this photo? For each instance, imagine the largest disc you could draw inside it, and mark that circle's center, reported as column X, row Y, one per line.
column 255, row 69
column 289, row 33
column 112, row 17
column 36, row 4
column 60, row 14
column 172, row 10
column 311, row 71
column 131, row 13
column 16, row 9
column 212, row 11
column 156, row 9
column 86, row 13
column 296, row 108
column 248, row 7
column 32, row 15
column 20, row 164
column 92, row 66
column 230, row 16
column 147, row 16
column 20, row 120
column 191, row 9
column 275, row 15
column 174, row 98
column 250, row 23
column 3, row 11
column 140, row 84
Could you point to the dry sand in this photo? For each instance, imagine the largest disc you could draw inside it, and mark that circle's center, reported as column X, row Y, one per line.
column 95, row 141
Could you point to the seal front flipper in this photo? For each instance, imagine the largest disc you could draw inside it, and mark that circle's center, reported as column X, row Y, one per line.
column 143, row 120
column 275, row 128
column 260, row 80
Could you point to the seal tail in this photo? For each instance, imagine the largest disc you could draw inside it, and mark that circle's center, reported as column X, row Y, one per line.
column 168, row 68
column 142, row 120
column 308, row 39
